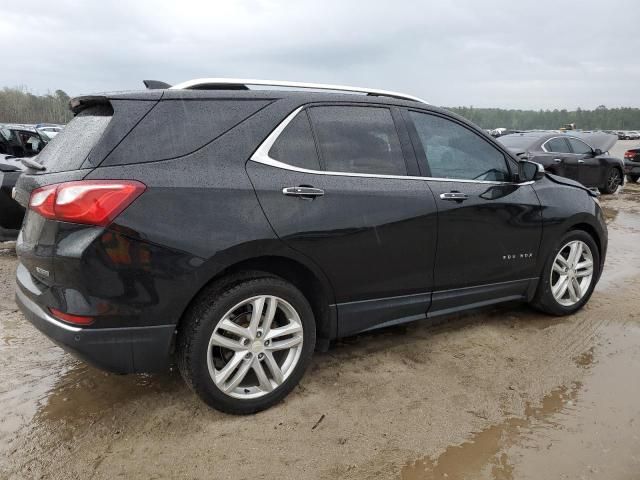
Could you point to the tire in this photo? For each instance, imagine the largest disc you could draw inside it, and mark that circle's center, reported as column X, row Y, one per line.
column 203, row 356
column 612, row 182
column 633, row 178
column 544, row 299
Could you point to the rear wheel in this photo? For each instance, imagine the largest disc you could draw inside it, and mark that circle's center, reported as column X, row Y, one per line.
column 612, row 182
column 569, row 275
column 246, row 348
column 633, row 178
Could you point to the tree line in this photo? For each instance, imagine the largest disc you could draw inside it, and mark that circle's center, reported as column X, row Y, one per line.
column 18, row 105
column 602, row 118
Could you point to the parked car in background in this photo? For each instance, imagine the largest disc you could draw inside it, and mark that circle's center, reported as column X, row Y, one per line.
column 49, row 129
column 238, row 230
column 21, row 141
column 11, row 212
column 628, row 135
column 632, row 164
column 567, row 155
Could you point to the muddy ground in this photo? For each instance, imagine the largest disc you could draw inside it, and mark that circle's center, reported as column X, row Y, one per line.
column 499, row 393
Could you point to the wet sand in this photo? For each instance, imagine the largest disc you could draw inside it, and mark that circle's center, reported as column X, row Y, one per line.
column 499, row 393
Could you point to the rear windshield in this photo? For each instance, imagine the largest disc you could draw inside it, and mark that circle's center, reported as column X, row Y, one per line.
column 517, row 141
column 69, row 149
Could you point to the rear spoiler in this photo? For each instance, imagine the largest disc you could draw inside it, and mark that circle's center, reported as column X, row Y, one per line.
column 155, row 84
column 78, row 104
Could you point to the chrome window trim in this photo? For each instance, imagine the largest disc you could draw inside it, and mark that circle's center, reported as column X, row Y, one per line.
column 301, row 85
column 261, row 155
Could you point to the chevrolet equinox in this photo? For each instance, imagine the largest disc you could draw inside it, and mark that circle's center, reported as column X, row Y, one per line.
column 236, row 226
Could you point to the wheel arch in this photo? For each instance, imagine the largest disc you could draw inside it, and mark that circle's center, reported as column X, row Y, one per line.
column 313, row 285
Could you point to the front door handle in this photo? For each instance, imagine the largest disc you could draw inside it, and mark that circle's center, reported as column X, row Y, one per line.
column 557, row 160
column 454, row 196
column 580, row 161
column 305, row 192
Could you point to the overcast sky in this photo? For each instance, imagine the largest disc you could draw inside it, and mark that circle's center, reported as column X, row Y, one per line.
column 509, row 53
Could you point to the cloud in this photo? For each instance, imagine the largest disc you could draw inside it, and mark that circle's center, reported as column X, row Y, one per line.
column 524, row 54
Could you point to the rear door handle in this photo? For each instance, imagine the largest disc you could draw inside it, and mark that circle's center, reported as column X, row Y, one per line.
column 306, row 192
column 580, row 161
column 557, row 160
column 454, row 196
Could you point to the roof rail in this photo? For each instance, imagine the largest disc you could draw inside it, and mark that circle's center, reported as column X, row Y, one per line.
column 243, row 84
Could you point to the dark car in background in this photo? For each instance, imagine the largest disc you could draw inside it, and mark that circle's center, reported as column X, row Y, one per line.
column 582, row 159
column 11, row 212
column 632, row 164
column 237, row 230
column 21, row 140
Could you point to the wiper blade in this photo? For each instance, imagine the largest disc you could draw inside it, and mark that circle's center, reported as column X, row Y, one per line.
column 31, row 163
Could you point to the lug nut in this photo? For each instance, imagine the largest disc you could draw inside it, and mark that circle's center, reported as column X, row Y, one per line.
column 260, row 356
column 259, row 333
column 267, row 343
column 247, row 356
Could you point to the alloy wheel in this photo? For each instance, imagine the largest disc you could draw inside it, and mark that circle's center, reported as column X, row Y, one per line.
column 572, row 273
column 614, row 180
column 255, row 346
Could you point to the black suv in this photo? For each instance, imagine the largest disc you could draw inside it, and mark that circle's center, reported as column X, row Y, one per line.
column 236, row 230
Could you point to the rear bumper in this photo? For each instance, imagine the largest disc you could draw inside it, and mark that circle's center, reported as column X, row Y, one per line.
column 631, row 168
column 119, row 350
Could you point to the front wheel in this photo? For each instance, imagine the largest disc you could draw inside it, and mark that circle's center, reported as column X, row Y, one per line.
column 246, row 347
column 613, row 181
column 569, row 276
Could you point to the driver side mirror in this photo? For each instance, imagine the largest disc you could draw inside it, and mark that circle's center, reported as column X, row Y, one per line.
column 597, row 152
column 530, row 171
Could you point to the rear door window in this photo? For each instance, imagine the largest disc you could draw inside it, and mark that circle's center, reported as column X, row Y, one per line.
column 358, row 140
column 69, row 149
column 557, row 145
column 295, row 145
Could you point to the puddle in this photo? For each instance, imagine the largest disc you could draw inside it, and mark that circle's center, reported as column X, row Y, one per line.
column 84, row 393
column 485, row 451
column 576, row 432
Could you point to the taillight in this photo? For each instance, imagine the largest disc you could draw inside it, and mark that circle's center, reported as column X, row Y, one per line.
column 629, row 154
column 69, row 318
column 94, row 202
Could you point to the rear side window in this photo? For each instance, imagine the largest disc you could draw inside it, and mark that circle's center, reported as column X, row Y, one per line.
column 358, row 140
column 453, row 151
column 69, row 149
column 295, row 145
column 558, row 145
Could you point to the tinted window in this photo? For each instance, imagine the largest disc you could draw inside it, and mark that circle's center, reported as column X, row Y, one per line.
column 358, row 139
column 295, row 145
column 454, row 151
column 578, row 146
column 558, row 145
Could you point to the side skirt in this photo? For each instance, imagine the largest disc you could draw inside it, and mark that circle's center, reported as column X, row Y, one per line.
column 365, row 315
